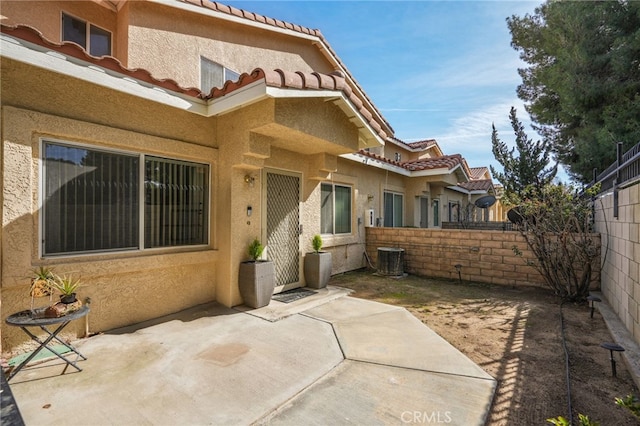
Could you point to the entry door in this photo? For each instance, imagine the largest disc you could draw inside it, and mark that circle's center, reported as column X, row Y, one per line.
column 283, row 227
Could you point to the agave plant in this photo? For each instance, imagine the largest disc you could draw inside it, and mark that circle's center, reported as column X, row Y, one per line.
column 66, row 285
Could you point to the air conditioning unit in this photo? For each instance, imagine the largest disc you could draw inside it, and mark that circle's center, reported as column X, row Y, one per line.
column 369, row 218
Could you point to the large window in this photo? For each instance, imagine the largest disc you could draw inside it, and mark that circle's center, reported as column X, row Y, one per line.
column 213, row 75
column 393, row 209
column 335, row 213
column 93, row 39
column 95, row 201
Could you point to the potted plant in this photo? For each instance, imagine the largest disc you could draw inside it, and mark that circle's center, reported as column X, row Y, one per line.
column 67, row 287
column 317, row 265
column 41, row 284
column 256, row 279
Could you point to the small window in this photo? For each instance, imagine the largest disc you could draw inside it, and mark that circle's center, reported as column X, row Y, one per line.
column 436, row 212
column 93, row 39
column 393, row 209
column 335, row 213
column 398, row 156
column 93, row 201
column 213, row 75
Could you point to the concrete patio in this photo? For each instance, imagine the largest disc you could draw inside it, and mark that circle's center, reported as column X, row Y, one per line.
column 325, row 359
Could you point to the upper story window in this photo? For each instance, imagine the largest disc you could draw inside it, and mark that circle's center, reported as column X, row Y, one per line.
column 398, row 156
column 96, row 200
column 335, row 213
column 93, row 39
column 213, row 75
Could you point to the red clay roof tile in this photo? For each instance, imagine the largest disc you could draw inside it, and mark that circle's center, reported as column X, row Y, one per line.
column 447, row 161
column 477, row 185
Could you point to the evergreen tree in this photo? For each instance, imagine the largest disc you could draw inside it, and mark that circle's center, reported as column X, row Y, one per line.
column 582, row 83
column 527, row 167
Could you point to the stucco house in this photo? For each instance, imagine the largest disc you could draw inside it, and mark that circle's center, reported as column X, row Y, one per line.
column 146, row 143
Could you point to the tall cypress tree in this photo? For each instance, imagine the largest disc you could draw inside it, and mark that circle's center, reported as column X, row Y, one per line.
column 525, row 165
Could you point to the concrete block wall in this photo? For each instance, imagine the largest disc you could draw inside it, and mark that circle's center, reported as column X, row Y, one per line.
column 485, row 256
column 620, row 254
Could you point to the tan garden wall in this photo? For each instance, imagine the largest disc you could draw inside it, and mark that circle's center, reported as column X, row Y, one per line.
column 621, row 255
column 485, row 256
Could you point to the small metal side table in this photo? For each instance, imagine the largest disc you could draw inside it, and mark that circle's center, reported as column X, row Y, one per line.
column 36, row 318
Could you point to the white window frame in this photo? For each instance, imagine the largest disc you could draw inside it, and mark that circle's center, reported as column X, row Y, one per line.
column 333, row 210
column 141, row 198
column 88, row 24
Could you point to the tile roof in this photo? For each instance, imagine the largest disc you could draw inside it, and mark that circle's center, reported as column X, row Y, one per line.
column 448, row 162
column 478, row 172
column 241, row 13
column 477, row 185
column 272, row 78
column 427, row 143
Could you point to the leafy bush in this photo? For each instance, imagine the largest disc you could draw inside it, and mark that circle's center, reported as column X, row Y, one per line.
column 556, row 224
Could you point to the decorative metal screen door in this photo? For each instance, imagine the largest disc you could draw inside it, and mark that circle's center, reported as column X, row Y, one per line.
column 283, row 228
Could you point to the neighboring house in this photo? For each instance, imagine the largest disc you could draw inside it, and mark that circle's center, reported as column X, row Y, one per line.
column 144, row 156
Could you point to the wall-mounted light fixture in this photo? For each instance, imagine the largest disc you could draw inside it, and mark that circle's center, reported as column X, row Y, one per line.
column 249, row 210
column 249, row 180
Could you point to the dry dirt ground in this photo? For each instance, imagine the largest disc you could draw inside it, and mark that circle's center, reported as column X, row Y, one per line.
column 515, row 335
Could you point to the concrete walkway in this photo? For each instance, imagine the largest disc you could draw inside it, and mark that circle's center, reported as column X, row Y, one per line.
column 337, row 360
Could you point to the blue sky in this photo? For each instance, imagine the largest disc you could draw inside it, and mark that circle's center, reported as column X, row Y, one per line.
column 435, row 69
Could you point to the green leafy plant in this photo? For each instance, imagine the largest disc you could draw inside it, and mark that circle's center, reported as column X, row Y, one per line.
column 561, row 421
column 255, row 249
column 316, row 242
column 631, row 403
column 66, row 285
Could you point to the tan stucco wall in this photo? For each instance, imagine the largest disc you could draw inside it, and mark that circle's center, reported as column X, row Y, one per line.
column 621, row 255
column 169, row 43
column 125, row 287
column 45, row 91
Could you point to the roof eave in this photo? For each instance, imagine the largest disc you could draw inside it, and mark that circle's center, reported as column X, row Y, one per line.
column 373, row 162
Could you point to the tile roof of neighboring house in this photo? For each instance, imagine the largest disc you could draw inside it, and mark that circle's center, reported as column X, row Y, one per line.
column 240, row 13
column 427, row 143
column 418, row 146
column 477, row 185
column 276, row 78
column 446, row 161
column 478, row 172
